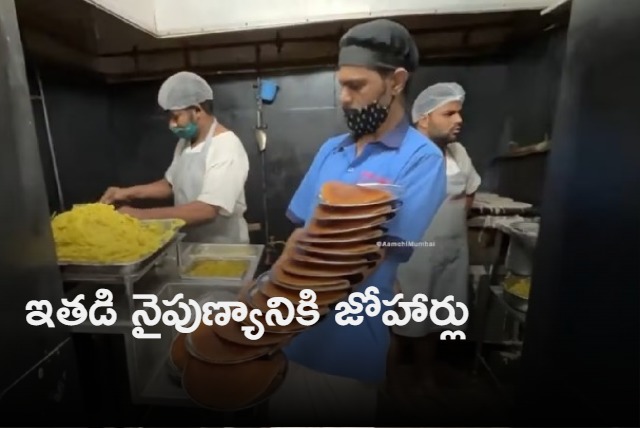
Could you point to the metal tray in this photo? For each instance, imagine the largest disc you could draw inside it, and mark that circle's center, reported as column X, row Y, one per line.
column 79, row 271
column 515, row 302
column 191, row 252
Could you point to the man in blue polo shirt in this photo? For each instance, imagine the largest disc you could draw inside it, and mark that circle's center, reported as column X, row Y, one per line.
column 335, row 370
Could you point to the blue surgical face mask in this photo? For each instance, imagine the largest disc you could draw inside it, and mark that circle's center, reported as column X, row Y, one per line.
column 187, row 132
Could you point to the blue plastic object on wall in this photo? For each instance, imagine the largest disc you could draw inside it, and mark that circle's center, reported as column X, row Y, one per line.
column 268, row 90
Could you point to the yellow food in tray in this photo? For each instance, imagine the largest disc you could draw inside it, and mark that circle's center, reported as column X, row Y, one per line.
column 98, row 233
column 520, row 287
column 218, row 268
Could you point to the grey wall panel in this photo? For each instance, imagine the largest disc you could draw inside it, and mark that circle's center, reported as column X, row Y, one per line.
column 28, row 267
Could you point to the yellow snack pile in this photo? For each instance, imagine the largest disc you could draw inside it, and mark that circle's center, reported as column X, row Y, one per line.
column 521, row 287
column 98, row 233
column 219, row 268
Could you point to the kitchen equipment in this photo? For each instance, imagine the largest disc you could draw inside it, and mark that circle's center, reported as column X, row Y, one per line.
column 516, row 291
column 192, row 253
column 519, row 259
column 118, row 272
column 516, row 302
column 261, row 139
column 268, row 90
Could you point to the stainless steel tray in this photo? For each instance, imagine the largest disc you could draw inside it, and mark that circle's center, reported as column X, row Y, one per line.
column 190, row 252
column 95, row 272
column 515, row 302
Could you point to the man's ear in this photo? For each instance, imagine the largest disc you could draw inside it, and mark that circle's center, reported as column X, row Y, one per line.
column 197, row 112
column 400, row 78
column 423, row 122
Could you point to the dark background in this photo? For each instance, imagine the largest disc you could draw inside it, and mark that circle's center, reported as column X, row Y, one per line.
column 115, row 134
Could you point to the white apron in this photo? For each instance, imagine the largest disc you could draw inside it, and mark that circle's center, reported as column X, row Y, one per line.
column 188, row 178
column 440, row 270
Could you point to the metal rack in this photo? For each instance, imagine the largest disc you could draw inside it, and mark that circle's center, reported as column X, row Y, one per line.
column 160, row 275
column 91, row 278
column 495, row 292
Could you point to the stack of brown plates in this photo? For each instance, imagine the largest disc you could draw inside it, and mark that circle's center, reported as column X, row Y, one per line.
column 224, row 370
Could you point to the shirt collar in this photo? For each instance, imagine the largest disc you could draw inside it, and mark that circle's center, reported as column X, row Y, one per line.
column 392, row 139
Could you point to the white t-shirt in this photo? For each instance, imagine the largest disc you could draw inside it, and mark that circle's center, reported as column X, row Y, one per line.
column 457, row 159
column 227, row 169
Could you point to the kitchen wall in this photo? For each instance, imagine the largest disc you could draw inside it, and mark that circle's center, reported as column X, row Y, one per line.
column 116, row 135
column 38, row 362
column 532, row 86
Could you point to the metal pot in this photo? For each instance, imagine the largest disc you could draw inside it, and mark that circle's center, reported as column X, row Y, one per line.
column 521, row 246
column 516, row 302
column 519, row 258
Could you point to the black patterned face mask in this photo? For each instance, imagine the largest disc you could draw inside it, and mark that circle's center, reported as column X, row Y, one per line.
column 366, row 120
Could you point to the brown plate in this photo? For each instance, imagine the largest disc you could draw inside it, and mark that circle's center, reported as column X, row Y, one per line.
column 280, row 276
column 340, row 227
column 332, row 249
column 359, row 236
column 320, row 263
column 258, row 300
column 248, row 297
column 233, row 387
column 304, row 256
column 293, row 239
column 323, row 271
column 179, row 354
column 204, row 344
column 323, row 298
column 336, row 193
column 297, row 282
column 324, row 212
column 294, row 327
column 233, row 333
column 312, row 256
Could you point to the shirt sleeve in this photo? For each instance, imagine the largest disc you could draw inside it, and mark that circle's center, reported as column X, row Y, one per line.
column 424, row 185
column 226, row 174
column 473, row 180
column 305, row 198
column 466, row 164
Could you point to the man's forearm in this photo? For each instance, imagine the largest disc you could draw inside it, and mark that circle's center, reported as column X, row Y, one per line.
column 160, row 189
column 192, row 213
column 469, row 201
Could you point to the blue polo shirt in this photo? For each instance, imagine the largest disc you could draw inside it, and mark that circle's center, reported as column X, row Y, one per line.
column 405, row 157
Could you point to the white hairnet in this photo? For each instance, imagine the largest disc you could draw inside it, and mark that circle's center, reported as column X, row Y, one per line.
column 182, row 90
column 435, row 96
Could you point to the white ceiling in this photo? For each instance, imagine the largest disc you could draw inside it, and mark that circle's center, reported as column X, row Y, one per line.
column 171, row 18
column 122, row 44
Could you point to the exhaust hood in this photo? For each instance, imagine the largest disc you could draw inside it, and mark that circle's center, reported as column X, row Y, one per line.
column 169, row 18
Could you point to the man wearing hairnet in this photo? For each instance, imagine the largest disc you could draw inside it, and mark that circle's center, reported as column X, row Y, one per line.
column 207, row 175
column 335, row 370
column 440, row 270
